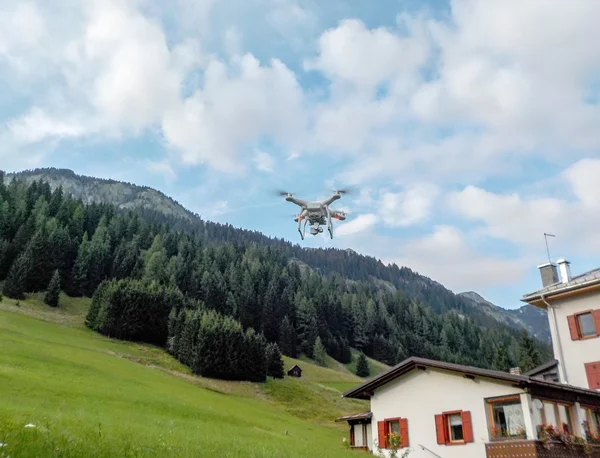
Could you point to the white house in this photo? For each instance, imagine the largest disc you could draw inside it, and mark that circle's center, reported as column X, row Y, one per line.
column 454, row 411
column 573, row 306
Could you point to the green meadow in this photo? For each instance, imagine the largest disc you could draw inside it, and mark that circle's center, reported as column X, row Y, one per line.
column 87, row 395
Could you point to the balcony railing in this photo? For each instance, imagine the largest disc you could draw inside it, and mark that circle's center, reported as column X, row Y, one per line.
column 537, row 449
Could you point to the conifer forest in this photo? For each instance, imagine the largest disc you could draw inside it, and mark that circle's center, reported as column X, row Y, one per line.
column 196, row 288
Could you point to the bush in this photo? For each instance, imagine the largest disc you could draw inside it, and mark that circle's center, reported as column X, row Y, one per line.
column 214, row 345
column 132, row 310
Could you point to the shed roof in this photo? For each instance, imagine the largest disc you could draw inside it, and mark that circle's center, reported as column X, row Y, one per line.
column 356, row 416
column 533, row 385
column 542, row 368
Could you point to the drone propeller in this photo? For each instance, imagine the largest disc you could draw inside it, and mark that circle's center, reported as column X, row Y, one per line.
column 347, row 190
column 281, row 192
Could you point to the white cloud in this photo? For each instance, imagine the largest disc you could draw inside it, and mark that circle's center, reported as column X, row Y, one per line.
column 407, row 207
column 233, row 40
column 263, row 161
column 163, row 168
column 448, row 256
column 522, row 220
column 364, row 57
column 235, row 109
column 359, row 224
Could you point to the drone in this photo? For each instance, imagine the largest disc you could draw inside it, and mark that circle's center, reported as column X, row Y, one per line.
column 317, row 213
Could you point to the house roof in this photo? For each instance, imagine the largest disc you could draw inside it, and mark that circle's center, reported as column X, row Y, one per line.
column 587, row 279
column 542, row 368
column 356, row 416
column 295, row 366
column 533, row 385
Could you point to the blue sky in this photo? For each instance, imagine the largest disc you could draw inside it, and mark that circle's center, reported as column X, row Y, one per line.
column 468, row 128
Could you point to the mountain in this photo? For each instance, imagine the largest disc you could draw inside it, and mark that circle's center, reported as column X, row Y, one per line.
column 121, row 195
column 531, row 318
column 352, row 267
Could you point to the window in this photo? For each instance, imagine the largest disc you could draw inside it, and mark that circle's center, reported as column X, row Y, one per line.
column 454, row 428
column 505, row 417
column 592, row 416
column 557, row 414
column 584, row 325
column 395, row 426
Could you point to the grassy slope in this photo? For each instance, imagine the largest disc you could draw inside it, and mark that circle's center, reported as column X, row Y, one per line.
column 93, row 396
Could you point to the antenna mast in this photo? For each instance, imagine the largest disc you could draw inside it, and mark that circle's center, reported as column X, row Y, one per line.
column 547, row 249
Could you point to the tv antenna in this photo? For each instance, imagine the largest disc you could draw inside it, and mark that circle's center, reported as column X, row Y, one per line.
column 546, row 235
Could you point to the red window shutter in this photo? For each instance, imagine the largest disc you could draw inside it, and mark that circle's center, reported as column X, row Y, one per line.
column 404, row 432
column 440, row 429
column 596, row 314
column 381, row 434
column 467, row 426
column 592, row 370
column 573, row 327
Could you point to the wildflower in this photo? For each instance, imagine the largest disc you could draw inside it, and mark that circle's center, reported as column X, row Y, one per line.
column 2, row 444
column 29, row 425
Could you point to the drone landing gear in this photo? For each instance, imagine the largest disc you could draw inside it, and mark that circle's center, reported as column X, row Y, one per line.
column 302, row 232
column 329, row 223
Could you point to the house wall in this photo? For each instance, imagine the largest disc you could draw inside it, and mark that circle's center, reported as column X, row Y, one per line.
column 420, row 395
column 575, row 352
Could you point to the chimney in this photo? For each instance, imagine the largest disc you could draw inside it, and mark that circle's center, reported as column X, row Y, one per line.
column 549, row 274
column 564, row 267
column 515, row 370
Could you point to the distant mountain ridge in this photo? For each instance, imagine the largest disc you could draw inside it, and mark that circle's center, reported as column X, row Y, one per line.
column 532, row 318
column 347, row 263
column 120, row 194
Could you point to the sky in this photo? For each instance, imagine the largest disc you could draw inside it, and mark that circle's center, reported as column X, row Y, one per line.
column 466, row 128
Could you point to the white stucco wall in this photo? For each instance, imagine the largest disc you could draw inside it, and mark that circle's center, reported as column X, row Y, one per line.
column 420, row 395
column 575, row 352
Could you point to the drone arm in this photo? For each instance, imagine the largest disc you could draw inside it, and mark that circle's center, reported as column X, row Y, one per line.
column 330, row 200
column 299, row 202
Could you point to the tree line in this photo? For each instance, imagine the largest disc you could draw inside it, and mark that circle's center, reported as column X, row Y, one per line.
column 169, row 264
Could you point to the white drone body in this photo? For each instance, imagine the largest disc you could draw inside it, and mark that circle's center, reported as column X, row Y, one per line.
column 316, row 213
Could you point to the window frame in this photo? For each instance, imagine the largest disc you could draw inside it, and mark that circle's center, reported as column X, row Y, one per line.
column 490, row 414
column 404, row 440
column 578, row 316
column 447, row 431
column 570, row 412
column 589, row 412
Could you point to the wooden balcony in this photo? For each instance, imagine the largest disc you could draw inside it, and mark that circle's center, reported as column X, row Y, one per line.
column 536, row 449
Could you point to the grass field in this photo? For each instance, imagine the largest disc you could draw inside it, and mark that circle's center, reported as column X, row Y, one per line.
column 88, row 395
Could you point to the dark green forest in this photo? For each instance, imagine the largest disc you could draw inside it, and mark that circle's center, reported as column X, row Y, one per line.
column 192, row 286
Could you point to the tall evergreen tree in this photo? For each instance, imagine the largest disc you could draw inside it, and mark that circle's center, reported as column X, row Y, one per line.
column 529, row 355
column 287, row 338
column 501, row 361
column 274, row 361
column 362, row 366
column 52, row 297
column 16, row 280
column 319, row 353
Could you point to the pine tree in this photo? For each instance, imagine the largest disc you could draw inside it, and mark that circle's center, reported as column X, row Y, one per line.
column 16, row 280
column 287, row 338
column 501, row 359
column 274, row 361
column 319, row 353
column 362, row 366
column 52, row 297
column 529, row 356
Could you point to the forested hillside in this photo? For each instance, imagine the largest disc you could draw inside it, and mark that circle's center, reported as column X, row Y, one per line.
column 347, row 263
column 255, row 281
